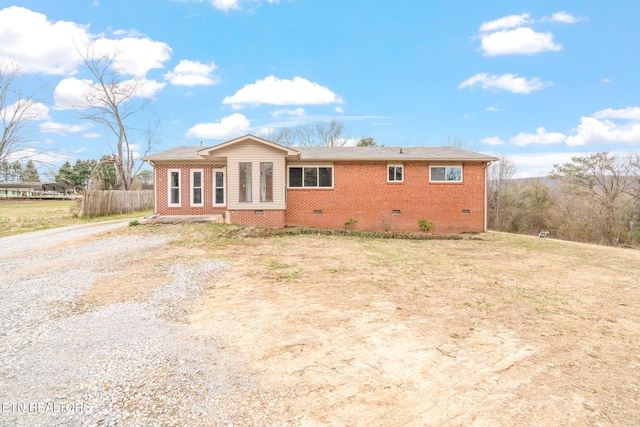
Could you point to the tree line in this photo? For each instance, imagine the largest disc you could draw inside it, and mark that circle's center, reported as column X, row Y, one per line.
column 98, row 175
column 593, row 198
column 16, row 172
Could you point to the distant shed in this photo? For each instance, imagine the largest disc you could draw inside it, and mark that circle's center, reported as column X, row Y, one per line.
column 36, row 190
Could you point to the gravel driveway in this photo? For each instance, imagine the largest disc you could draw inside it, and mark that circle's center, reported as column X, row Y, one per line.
column 130, row 363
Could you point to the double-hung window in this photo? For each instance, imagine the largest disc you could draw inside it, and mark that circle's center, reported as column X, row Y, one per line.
column 219, row 196
column 445, row 174
column 173, row 179
column 245, row 182
column 311, row 176
column 196, row 188
column 266, row 182
column 395, row 173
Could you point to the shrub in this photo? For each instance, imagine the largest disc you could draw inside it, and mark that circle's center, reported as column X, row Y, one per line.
column 133, row 223
column 349, row 222
column 426, row 225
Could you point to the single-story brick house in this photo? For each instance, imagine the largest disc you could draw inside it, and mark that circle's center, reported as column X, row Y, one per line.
column 252, row 181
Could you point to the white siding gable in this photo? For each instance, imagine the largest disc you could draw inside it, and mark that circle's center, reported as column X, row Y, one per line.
column 254, row 153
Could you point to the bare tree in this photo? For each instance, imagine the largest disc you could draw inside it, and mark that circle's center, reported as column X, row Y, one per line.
column 503, row 192
column 113, row 102
column 458, row 142
column 319, row 134
column 330, row 133
column 17, row 112
column 606, row 179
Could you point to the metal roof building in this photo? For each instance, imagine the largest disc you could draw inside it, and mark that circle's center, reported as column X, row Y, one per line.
column 36, row 190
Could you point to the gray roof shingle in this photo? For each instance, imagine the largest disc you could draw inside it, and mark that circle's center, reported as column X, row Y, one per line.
column 189, row 153
column 390, row 153
column 185, row 152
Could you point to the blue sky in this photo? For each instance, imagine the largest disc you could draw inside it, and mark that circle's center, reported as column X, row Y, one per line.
column 538, row 81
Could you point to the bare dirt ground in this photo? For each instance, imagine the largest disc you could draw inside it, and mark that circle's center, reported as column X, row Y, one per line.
column 510, row 330
column 505, row 330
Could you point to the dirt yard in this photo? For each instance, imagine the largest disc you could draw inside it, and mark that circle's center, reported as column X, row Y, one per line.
column 502, row 330
column 507, row 330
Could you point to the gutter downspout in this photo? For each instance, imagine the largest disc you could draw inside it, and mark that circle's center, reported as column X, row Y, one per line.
column 485, row 196
column 155, row 188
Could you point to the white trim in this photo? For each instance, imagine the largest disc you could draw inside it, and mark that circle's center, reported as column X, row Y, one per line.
column 486, row 205
column 445, row 173
column 192, row 187
column 224, row 187
column 169, row 204
column 312, row 166
column 155, row 188
column 395, row 165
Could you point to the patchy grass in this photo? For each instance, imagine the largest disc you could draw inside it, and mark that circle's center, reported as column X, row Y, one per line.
column 392, row 330
column 21, row 216
column 354, row 330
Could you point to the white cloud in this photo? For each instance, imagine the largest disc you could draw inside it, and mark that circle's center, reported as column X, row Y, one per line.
column 339, row 110
column 128, row 33
column 72, row 93
column 520, row 41
column 134, row 56
column 563, row 17
column 492, row 140
column 27, row 111
column 289, row 112
column 508, row 82
column 30, row 153
column 265, row 131
column 510, row 21
column 539, row 164
column 593, row 131
column 629, row 113
column 274, row 91
column 192, row 73
column 347, row 142
column 493, row 109
column 91, row 135
column 540, row 137
column 61, row 128
column 225, row 5
column 39, row 45
column 606, row 80
column 227, row 128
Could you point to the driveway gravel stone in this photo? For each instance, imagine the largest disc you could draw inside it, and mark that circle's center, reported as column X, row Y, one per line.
column 130, row 363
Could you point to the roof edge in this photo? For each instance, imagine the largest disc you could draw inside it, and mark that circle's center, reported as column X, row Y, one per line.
column 207, row 151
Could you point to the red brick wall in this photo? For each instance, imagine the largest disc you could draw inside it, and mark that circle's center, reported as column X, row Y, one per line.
column 269, row 218
column 162, row 195
column 361, row 191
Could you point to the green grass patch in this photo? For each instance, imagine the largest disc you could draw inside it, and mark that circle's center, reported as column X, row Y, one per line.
column 22, row 216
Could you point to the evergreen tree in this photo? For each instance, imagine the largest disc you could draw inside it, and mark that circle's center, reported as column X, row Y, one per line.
column 16, row 171
column 65, row 174
column 81, row 174
column 367, row 142
column 30, row 173
column 5, row 171
column 145, row 176
column 105, row 177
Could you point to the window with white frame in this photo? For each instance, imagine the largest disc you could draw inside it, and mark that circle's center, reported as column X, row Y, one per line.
column 219, row 194
column 196, row 188
column 445, row 174
column 245, row 182
column 266, row 181
column 395, row 173
column 311, row 176
column 173, row 184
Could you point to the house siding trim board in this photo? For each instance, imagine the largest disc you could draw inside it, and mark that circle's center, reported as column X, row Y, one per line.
column 361, row 188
